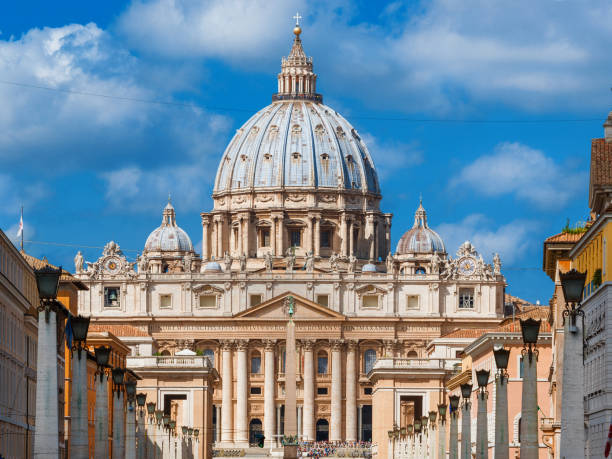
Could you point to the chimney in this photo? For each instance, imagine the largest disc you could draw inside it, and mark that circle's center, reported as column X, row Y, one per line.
column 608, row 128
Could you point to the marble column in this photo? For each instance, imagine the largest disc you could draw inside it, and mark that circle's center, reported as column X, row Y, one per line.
column 335, row 431
column 360, row 423
column 501, row 418
column 245, row 235
column 218, row 424
column 299, row 421
column 351, row 392
column 482, row 434
column 453, row 438
column 529, row 407
column 205, row 248
column 130, row 431
column 370, row 234
column 572, row 403
column 273, row 236
column 239, row 240
column 213, row 240
column 79, row 436
column 343, row 239
column 317, row 236
column 118, row 426
column 351, row 238
column 46, row 444
column 290, row 428
column 241, row 438
column 227, row 408
column 278, row 424
column 220, row 238
column 280, row 247
column 466, row 431
column 269, row 393
column 310, row 238
column 308, row 414
column 101, row 418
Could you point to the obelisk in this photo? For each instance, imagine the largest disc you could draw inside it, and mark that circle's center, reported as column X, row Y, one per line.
column 290, row 450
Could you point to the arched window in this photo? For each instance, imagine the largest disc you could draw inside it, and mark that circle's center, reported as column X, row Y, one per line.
column 412, row 355
column 322, row 430
column 254, row 431
column 211, row 356
column 420, row 271
column 255, row 362
column 166, row 352
column 369, row 357
column 322, row 362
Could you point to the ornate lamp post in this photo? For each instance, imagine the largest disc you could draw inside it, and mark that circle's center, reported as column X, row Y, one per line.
column 482, row 434
column 101, row 414
column 501, row 403
column 46, row 444
column 454, row 427
column 141, row 400
column 530, row 329
column 130, row 421
column 158, row 430
column 118, row 375
column 432, row 433
column 79, row 438
column 572, row 418
column 442, row 430
column 466, row 422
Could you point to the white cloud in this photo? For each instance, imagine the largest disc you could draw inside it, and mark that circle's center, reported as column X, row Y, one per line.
column 392, row 157
column 527, row 173
column 14, row 195
column 511, row 240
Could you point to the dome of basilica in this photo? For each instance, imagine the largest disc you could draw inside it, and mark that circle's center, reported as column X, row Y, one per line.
column 420, row 238
column 168, row 237
column 296, row 141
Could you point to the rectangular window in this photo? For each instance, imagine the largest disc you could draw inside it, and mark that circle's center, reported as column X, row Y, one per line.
column 295, row 236
column 254, row 300
column 323, row 300
column 367, row 391
column 165, row 301
column 370, row 301
column 111, row 297
column 208, row 301
column 322, row 365
column 321, row 390
column 326, row 238
column 265, row 238
column 412, row 302
column 255, row 390
column 256, row 365
column 466, row 298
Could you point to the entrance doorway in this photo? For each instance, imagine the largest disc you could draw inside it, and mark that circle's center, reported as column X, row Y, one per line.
column 410, row 407
column 366, row 423
column 254, row 430
column 322, row 430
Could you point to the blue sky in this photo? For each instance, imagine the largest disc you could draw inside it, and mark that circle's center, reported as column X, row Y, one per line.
column 485, row 108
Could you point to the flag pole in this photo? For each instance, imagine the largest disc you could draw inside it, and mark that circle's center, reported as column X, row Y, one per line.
column 22, row 229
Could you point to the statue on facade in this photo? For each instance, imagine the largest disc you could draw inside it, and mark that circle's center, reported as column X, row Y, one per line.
column 111, row 248
column 449, row 266
column 290, row 261
column 309, row 261
column 268, row 262
column 333, row 262
column 390, row 263
column 497, row 265
column 92, row 268
column 243, row 261
column 187, row 263
column 228, row 262
column 78, row 262
column 143, row 264
column 435, row 263
column 351, row 263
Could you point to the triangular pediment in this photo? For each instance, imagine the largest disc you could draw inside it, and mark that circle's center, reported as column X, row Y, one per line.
column 276, row 308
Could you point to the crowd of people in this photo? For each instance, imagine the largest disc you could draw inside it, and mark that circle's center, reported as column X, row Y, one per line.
column 317, row 449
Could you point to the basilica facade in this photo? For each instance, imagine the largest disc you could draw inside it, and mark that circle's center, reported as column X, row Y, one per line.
column 296, row 215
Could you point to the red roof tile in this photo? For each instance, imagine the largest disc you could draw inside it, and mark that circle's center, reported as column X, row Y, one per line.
column 564, row 237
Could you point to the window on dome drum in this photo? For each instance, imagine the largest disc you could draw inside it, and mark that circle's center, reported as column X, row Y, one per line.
column 369, row 301
column 323, row 300
column 295, row 236
column 420, row 271
column 326, row 238
column 208, row 301
column 111, row 297
column 211, row 356
column 255, row 390
column 264, row 237
column 412, row 302
column 322, row 363
column 369, row 358
column 466, row 298
column 255, row 363
column 255, row 300
column 165, row 301
column 322, row 391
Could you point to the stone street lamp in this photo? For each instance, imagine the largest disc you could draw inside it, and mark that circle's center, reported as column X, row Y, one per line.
column 101, row 418
column 454, row 427
column 482, row 434
column 530, row 329
column 46, row 443
column 442, row 430
column 572, row 418
column 466, row 422
column 79, row 424
column 501, row 403
column 118, row 375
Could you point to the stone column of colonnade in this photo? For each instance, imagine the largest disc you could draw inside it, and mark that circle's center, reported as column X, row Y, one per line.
column 269, row 393
column 351, row 392
column 226, row 395
column 241, row 434
column 308, row 422
column 335, row 431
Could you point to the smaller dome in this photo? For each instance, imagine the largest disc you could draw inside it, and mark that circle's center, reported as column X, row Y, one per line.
column 168, row 237
column 212, row 267
column 369, row 268
column 420, row 238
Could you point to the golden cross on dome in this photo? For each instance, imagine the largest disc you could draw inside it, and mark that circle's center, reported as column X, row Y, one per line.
column 297, row 18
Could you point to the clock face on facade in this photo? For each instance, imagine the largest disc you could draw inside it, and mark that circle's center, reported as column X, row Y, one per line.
column 467, row 266
column 112, row 265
